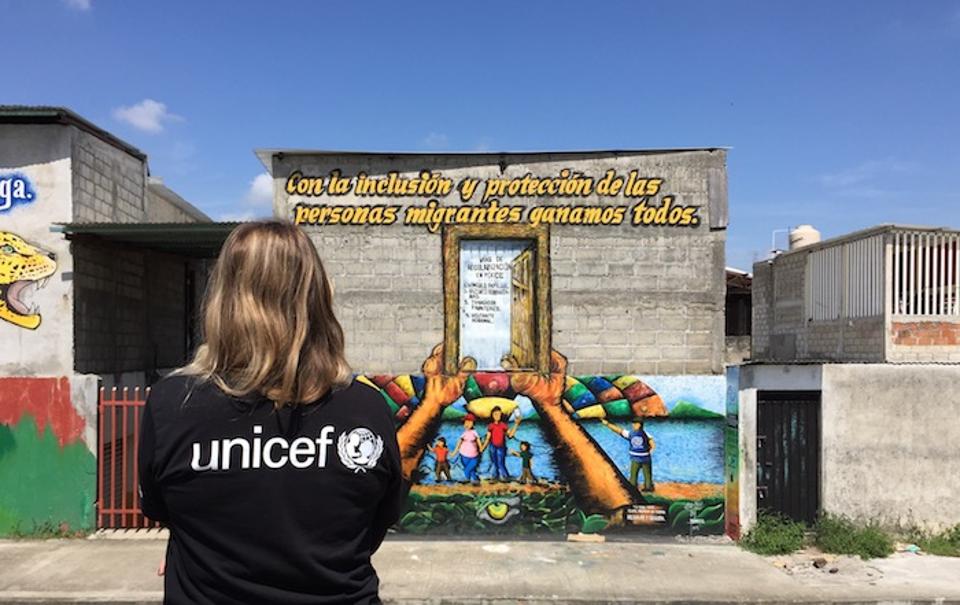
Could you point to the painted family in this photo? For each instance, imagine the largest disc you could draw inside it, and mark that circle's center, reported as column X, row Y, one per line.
column 470, row 447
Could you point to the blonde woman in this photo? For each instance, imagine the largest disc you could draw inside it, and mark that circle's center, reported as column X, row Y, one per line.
column 277, row 473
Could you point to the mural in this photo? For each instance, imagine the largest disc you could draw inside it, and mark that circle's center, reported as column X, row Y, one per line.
column 731, row 437
column 524, row 452
column 47, row 469
column 15, row 188
column 23, row 269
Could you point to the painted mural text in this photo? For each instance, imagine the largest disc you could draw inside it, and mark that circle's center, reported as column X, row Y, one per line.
column 15, row 189
column 490, row 193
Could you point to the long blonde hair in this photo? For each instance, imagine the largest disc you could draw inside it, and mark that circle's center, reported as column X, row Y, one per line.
column 268, row 319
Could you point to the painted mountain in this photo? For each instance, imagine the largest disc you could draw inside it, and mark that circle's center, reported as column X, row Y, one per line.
column 687, row 410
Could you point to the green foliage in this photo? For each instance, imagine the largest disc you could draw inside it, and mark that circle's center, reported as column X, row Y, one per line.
column 592, row 524
column 774, row 535
column 44, row 485
column 709, row 510
column 842, row 536
column 944, row 544
column 551, row 512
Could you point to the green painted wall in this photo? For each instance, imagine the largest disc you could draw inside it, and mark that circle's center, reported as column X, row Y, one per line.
column 45, row 487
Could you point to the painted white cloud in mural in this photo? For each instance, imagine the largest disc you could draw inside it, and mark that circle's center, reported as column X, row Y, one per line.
column 148, row 116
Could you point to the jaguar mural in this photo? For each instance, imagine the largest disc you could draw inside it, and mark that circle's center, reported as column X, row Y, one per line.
column 24, row 268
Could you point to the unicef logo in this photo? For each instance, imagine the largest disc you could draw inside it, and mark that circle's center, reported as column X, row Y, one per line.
column 359, row 449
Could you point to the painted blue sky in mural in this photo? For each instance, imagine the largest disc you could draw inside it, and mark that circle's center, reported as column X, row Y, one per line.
column 839, row 114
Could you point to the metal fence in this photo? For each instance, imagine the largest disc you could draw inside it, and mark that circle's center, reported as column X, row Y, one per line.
column 926, row 273
column 118, row 472
column 849, row 280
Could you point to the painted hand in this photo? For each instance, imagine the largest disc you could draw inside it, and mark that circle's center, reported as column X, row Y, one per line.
column 442, row 389
column 546, row 390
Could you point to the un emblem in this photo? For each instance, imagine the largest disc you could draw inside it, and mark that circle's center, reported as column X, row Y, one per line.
column 359, row 449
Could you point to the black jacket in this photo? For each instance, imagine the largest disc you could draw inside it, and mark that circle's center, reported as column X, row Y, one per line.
column 266, row 505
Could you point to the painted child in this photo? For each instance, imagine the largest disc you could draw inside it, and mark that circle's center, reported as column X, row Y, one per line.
column 526, row 458
column 498, row 432
column 641, row 449
column 441, row 454
column 468, row 446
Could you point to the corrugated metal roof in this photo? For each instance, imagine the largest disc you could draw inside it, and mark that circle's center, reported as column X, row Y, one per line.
column 197, row 240
column 46, row 114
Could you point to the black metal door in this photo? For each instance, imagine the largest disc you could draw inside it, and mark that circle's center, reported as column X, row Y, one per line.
column 788, row 453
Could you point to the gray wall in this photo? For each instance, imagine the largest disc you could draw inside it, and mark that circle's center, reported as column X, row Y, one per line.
column 165, row 206
column 624, row 299
column 889, row 439
column 109, row 185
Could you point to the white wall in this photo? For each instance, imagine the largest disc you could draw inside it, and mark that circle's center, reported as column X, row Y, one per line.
column 755, row 378
column 42, row 154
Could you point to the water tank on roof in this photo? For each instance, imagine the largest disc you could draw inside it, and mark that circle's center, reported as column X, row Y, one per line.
column 804, row 235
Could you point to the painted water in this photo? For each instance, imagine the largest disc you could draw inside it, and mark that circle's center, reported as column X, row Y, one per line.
column 687, row 451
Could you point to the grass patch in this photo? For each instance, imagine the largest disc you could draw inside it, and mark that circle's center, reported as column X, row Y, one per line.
column 944, row 544
column 774, row 535
column 842, row 536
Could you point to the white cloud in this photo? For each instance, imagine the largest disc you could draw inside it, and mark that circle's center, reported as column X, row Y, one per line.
column 260, row 192
column 435, row 140
column 866, row 172
column 147, row 115
column 80, row 5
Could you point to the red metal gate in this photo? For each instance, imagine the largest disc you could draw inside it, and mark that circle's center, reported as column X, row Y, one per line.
column 118, row 496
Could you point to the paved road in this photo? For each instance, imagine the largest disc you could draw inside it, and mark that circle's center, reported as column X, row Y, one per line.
column 495, row 572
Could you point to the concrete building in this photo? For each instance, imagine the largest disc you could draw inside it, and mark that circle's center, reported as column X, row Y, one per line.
column 739, row 315
column 613, row 259
column 587, row 288
column 850, row 402
column 77, row 312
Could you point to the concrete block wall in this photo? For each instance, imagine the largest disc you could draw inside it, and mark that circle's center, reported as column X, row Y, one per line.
column 658, row 299
column 624, row 298
column 782, row 330
column 116, row 290
column 761, row 310
column 109, row 185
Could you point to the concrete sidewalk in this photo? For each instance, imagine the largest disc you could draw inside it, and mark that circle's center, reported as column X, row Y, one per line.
column 124, row 571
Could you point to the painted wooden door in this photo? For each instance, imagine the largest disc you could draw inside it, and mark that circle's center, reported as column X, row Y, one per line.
column 521, row 309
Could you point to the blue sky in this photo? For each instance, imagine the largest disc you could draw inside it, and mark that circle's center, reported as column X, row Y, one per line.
column 842, row 114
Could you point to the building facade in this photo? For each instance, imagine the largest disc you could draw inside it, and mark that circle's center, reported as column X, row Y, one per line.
column 849, row 404
column 74, row 314
column 587, row 289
